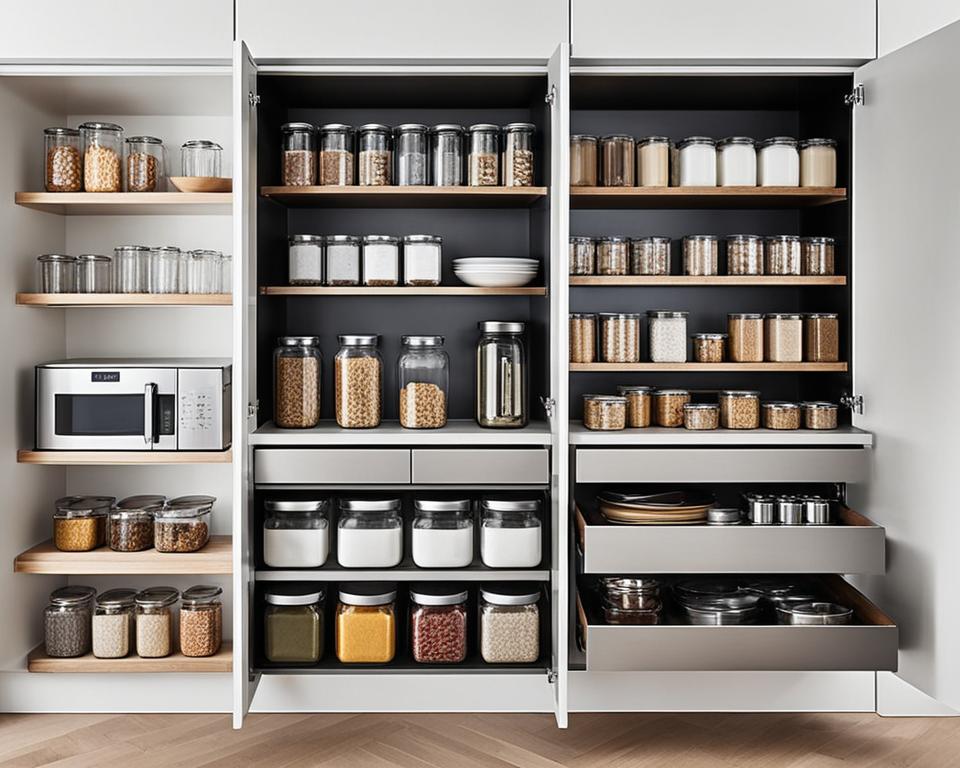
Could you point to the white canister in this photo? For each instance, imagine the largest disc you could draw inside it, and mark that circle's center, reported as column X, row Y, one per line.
column 818, row 163
column 381, row 260
column 510, row 533
column 369, row 533
column 778, row 162
column 421, row 260
column 343, row 260
column 698, row 162
column 442, row 534
column 306, row 260
column 668, row 336
column 296, row 534
column 736, row 162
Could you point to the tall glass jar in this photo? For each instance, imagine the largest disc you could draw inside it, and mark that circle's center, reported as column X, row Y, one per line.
column 744, row 255
column 296, row 533
column 114, row 624
column 410, row 155
column 366, row 623
column 62, row 164
column 369, row 533
column 483, row 158
column 144, row 164
column 102, row 156
column 298, row 143
column 653, row 162
column 700, row 255
column 226, row 273
column 305, row 254
column 817, row 255
column 131, row 269
column 739, row 409
column 583, row 337
column 778, row 162
column 501, row 375
column 67, row 621
column 203, row 273
column 736, row 162
column 584, row 163
column 821, row 337
column 446, row 155
column 56, row 273
column 667, row 336
column 650, row 256
column 422, row 263
column 297, row 365
column 613, row 255
column 518, row 154
column 336, row 155
column 201, row 621
column 293, row 624
column 342, row 260
column 639, row 404
column 163, row 275
column 619, row 337
column 782, row 255
column 155, row 621
column 93, row 273
column 509, row 623
column 745, row 331
column 80, row 522
column 583, row 256
column 375, row 156
column 442, row 533
column 381, row 260
column 424, row 379
column 698, row 162
column 511, row 534
column 783, row 337
column 200, row 158
column 438, row 623
column 618, row 162
column 358, row 374
column 818, row 163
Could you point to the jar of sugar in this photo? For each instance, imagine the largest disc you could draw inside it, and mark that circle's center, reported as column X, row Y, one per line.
column 306, row 260
column 421, row 260
column 778, row 162
column 381, row 260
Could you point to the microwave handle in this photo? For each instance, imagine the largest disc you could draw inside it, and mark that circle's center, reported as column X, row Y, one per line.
column 149, row 398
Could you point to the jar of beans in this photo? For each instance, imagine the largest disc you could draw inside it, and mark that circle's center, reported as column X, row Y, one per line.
column 114, row 624
column 700, row 416
column 102, row 153
column 821, row 337
column 155, row 621
column 604, row 412
column 739, row 409
column 358, row 378
column 782, row 337
column 613, row 255
column 639, row 405
column 744, row 255
column 130, row 522
column 183, row 525
column 583, row 337
column 80, row 522
column 583, row 256
column 299, row 148
column 620, row 337
column 650, row 256
column 518, row 154
column 438, row 623
column 746, row 337
column 817, row 255
column 375, row 155
column 144, row 164
column 781, row 415
column 709, row 347
column 296, row 366
column 67, row 621
column 483, row 155
column 423, row 375
column 782, row 255
column 63, row 165
column 201, row 621
column 668, row 336
column 820, row 415
column 509, row 623
column 668, row 406
column 700, row 255
column 336, row 155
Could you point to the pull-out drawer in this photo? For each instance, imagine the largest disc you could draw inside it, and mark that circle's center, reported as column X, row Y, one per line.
column 489, row 466
column 372, row 466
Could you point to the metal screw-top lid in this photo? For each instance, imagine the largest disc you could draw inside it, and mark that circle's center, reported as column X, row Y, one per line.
column 380, row 239
column 820, row 406
column 709, row 336
column 656, row 239
column 56, row 257
column 94, row 126
column 617, row 137
column 701, row 238
column 296, row 127
column 368, row 593
column 821, row 316
column 780, row 405
column 422, row 239
column 784, row 141
column 438, row 594
column 442, row 505
column 143, row 140
column 612, row 399
column 701, row 406
column 671, row 393
column 117, row 598
column 93, row 257
column 294, row 239
column 499, row 326
column 652, row 140
column 743, row 238
column 739, row 393
column 744, row 316
column 519, row 127
column 782, row 238
column 202, row 144
column 664, row 313
column 447, row 128
column 370, row 505
column 818, row 240
column 298, row 341
column 374, row 128
column 336, row 128
column 422, row 341
column 75, row 595
column 282, row 594
column 511, row 505
column 613, row 239
column 201, row 594
column 359, row 340
column 619, row 315
column 783, row 316
column 84, row 506
column 157, row 597
column 286, row 505
column 352, row 239
column 61, row 131
column 411, row 128
column 738, row 140
column 804, row 143
column 483, row 128
column 510, row 594
column 627, row 389
column 691, row 140
column 583, row 137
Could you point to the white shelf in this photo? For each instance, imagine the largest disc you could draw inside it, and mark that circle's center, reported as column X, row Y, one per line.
column 406, row 573
column 458, row 432
column 660, row 436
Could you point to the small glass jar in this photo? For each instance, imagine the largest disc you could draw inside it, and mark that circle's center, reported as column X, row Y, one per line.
column 583, row 337
column 583, row 160
column 144, row 164
column 202, row 158
column 509, row 623
column 518, row 154
column 739, row 409
column 369, row 533
column 618, row 162
column 63, row 163
column 336, row 155
column 203, row 271
column 510, row 533
column 131, row 269
column 438, row 624
column 93, row 273
column 155, row 621
column 381, row 260
column 293, row 624
column 80, row 522
column 358, row 374
column 375, row 155
column 653, row 162
column 411, row 149
column 442, row 535
column 613, row 255
column 201, row 621
column 698, row 162
column 483, row 155
column 818, row 163
column 502, row 377
column 745, row 330
column 744, row 255
column 667, row 336
column 446, row 155
column 782, row 255
column 366, row 624
column 102, row 154
column 736, row 162
column 67, row 622
column 114, row 624
column 305, row 254
column 423, row 372
column 56, row 273
column 781, row 415
column 183, row 272
column 820, row 415
column 821, row 337
column 604, row 412
column 778, row 162
column 298, row 145
column 668, row 406
column 817, row 255
column 422, row 259
column 583, row 256
column 183, row 525
column 342, row 260
column 639, row 405
column 630, row 601
column 296, row 533
column 783, row 337
column 226, row 273
column 297, row 364
column 709, row 347
column 620, row 337
column 701, row 255
column 701, row 416
column 650, row 256
column 163, row 273
column 130, row 523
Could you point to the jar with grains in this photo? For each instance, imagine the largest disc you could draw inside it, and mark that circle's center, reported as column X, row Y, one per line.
column 782, row 255
column 739, row 409
column 817, row 255
column 483, row 155
column 511, row 534
column 130, row 522
column 442, row 533
column 183, row 525
column 820, row 415
column 778, row 414
column 446, row 155
column 745, row 331
column 604, row 412
column 342, row 259
column 583, row 337
column 778, row 162
column 102, row 153
column 709, row 347
column 821, row 337
column 144, row 164
column 67, row 621
column 336, row 155
column 423, row 370
column 618, row 161
column 818, row 163
column 509, row 623
column 200, row 157
column 296, row 533
column 93, row 273
column 375, row 155
column 358, row 375
column 650, row 256
column 438, row 623
column 744, row 255
column 201, row 621
column 668, row 406
column 583, row 160
column 700, row 416
column 583, row 256
column 62, row 164
column 305, row 255
column 518, row 154
column 155, row 621
column 80, row 522
column 783, row 337
column 56, row 273
column 668, row 336
column 114, row 624
column 381, row 260
column 410, row 152
column 422, row 262
column 369, row 533
column 613, row 255
column 700, row 255
column 736, row 162
column 299, row 150
column 293, row 624
column 619, row 337
column 653, row 162
column 297, row 366
column 502, row 392
column 639, row 405
column 366, row 624
column 698, row 162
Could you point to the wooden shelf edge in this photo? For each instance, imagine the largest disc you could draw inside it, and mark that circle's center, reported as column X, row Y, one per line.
column 122, row 198
column 123, row 299
column 720, row 280
column 103, row 458
column 221, row 662
column 440, row 290
column 799, row 192
column 716, row 367
column 398, row 191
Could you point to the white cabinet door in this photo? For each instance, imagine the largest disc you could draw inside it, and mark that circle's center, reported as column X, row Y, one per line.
column 906, row 270
column 734, row 31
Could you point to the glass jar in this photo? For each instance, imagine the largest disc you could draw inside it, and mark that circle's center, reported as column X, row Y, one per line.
column 342, row 259
column 613, row 255
column 509, row 623
column 438, row 624
column 583, row 256
column 130, row 523
column 442, row 533
column 305, row 254
column 583, row 160
column 736, row 162
column 63, row 164
column 709, row 347
column 80, row 522
column 183, row 272
column 821, row 337
column 668, row 406
column 93, row 273
column 653, row 162
column 144, row 164
column 781, row 415
column 745, row 330
column 297, row 363
column 818, row 163
column 155, row 621
column 619, row 337
column 650, row 256
column 298, row 146
column 296, row 534
column 698, row 162
column 483, row 158
column 369, row 533
column 667, row 336
column 201, row 621
column 739, row 409
column 226, row 273
column 67, row 622
column 422, row 262
column 336, row 155
column 56, row 273
column 102, row 153
column 510, row 533
column 518, row 154
column 131, row 269
column 183, row 525
column 639, row 405
column 701, row 255
column 358, row 374
column 630, row 601
column 446, row 155
column 817, row 255
column 583, row 337
column 381, row 260
column 604, row 412
column 163, row 272
column 203, row 271
column 820, row 415
column 618, row 162
column 502, row 375
column 782, row 255
column 701, row 416
column 423, row 370
column 375, row 155
column 744, row 255
column 778, row 162
column 410, row 152
column 293, row 624
column 201, row 158
column 114, row 624
column 782, row 337
column 366, row 626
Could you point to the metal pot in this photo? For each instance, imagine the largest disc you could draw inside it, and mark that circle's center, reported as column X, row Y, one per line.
column 815, row 614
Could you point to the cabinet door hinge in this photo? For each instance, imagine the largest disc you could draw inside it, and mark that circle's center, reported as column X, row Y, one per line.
column 552, row 676
column 253, row 99
column 551, row 96
column 853, row 402
column 253, row 408
column 855, row 97
column 549, row 404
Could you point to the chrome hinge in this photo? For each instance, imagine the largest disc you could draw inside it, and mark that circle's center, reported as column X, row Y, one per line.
column 551, row 97
column 855, row 97
column 853, row 402
column 252, row 408
column 253, row 99
column 549, row 404
column 552, row 676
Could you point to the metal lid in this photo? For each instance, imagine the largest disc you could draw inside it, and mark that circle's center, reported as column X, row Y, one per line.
column 293, row 595
column 61, row 131
column 709, row 336
column 510, row 594
column 117, row 598
column 780, row 405
column 422, row 341
column 741, row 238
column 784, row 141
column 288, row 505
column 438, row 594
column 652, row 140
column 306, row 239
column 75, row 595
column 606, row 398
column 613, row 239
column 514, row 127
column 95, row 126
column 707, row 587
column 709, row 238
column 142, row 501
column 739, row 393
column 783, row 316
column 619, row 315
column 143, row 140
column 374, row 128
column 447, row 128
column 817, row 143
column 201, row 144
column 821, row 315
column 741, row 140
column 84, row 506
column 744, row 316
column 723, row 516
column 783, row 238
column 650, row 239
column 817, row 613
column 368, row 593
column 380, row 239
column 131, row 248
column 205, row 254
column 666, row 313
column 293, row 127
column 501, row 326
column 582, row 316
column 411, row 128
column 359, row 340
column 618, row 137
column 186, row 507
column 93, row 257
column 583, row 137
column 477, row 127
column 195, row 500
column 671, row 393
column 422, row 239
column 816, row 405
column 818, row 240
column 624, row 389
column 201, row 594
column 690, row 140
column 370, row 505
column 336, row 128
column 55, row 257
column 581, row 239
column 157, row 597
column 342, row 238
column 510, row 505
column 701, row 406
column 442, row 505
column 298, row 341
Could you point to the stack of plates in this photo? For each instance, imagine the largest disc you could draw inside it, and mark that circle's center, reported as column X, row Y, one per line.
column 675, row 508
column 495, row 272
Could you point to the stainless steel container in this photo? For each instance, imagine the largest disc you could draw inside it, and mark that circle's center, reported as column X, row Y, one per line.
column 789, row 510
column 761, row 510
column 737, row 609
column 723, row 516
column 815, row 614
column 501, row 392
column 816, row 511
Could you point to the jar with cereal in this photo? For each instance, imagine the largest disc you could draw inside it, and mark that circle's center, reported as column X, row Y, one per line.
column 746, row 337
column 102, row 153
column 668, row 406
column 709, row 347
column 604, row 412
column 639, row 405
column 613, row 255
column 358, row 377
column 739, row 409
column 424, row 379
column 80, row 522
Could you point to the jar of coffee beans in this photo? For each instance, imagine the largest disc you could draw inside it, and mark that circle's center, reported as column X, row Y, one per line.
column 358, row 377
column 296, row 365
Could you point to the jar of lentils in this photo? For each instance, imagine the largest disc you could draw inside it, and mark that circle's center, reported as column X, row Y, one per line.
column 296, row 364
column 700, row 255
column 583, row 337
column 709, row 347
column 583, row 256
column 201, row 621
column 80, row 522
column 63, row 165
column 438, row 623
column 817, row 255
column 668, row 406
column 620, row 337
column 778, row 414
column 739, row 409
column 701, row 416
column 299, row 154
column 130, row 522
column 358, row 375
column 668, row 336
column 509, row 623
column 821, row 337
column 744, row 255
column 155, row 621
column 102, row 153
column 604, row 412
column 650, row 256
column 745, row 331
column 114, row 624
column 613, row 255
column 639, row 405
column 67, row 621
column 782, row 255
column 820, row 415
column 336, row 155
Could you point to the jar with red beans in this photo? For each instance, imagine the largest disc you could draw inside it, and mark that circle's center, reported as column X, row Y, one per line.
column 438, row 623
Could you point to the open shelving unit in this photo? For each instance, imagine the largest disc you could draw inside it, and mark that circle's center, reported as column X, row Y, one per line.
column 726, row 281
column 222, row 661
column 128, row 203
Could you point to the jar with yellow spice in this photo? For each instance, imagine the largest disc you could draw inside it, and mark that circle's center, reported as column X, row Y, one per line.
column 366, row 624
column 80, row 522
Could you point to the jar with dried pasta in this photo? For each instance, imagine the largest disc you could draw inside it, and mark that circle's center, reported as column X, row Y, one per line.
column 639, row 405
column 739, row 409
column 620, row 337
column 80, row 522
column 821, row 337
column 818, row 255
column 155, row 621
column 782, row 255
column 700, row 255
column 366, row 623
column 358, row 376
column 783, row 337
column 709, row 347
column 613, row 255
column 201, row 621
column 583, row 256
column 583, row 337
column 102, row 153
column 701, row 416
column 778, row 414
column 744, row 255
column 423, row 372
column 668, row 406
column 820, row 415
column 745, row 331
column 650, row 256
column 604, row 412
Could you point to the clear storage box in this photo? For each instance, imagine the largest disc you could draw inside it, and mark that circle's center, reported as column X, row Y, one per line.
column 442, row 533
column 369, row 533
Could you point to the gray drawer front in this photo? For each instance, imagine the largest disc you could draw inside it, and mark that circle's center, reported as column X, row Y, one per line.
column 492, row 466
column 328, row 466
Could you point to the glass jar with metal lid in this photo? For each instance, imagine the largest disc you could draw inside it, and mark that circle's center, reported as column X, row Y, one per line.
column 821, row 337
column 584, row 165
column 410, row 155
column 698, row 161
column 56, row 273
column 63, row 164
column 144, row 164
column 782, row 255
column 818, row 163
column 583, row 255
column 736, row 162
column 374, row 155
column 67, row 621
column 709, row 347
column 366, row 623
column 296, row 533
column 183, row 525
column 155, row 621
column 336, row 155
column 613, row 255
column 816, row 510
column 667, row 332
column 509, row 623
column 201, row 621
column 701, row 416
column 744, row 255
column 381, row 260
column 653, row 161
column 438, row 623
column 299, row 155
column 201, row 158
column 778, row 414
column 297, row 363
column 630, row 601
column 442, row 533
column 783, row 337
column 131, row 268
column 163, row 274
column 502, row 397
column 446, row 155
column 604, row 412
column 305, row 254
column 583, row 337
column 422, row 263
column 619, row 337
column 746, row 337
column 510, row 533
column 668, row 406
column 483, row 155
column 293, row 624
column 93, row 273
column 130, row 523
column 114, row 624
column 358, row 381
column 203, row 271
column 739, row 409
column 650, row 256
column 369, row 533
column 639, row 405
column 778, row 162
column 342, row 259
column 518, row 154
column 80, row 522
column 819, row 415
column 701, row 255
column 102, row 156
column 423, row 371
column 817, row 255
column 618, row 160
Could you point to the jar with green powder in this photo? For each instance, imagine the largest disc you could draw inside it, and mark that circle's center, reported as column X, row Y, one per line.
column 293, row 625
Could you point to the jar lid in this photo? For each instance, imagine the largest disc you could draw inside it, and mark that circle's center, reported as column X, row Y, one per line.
column 336, row 128
column 783, row 238
column 93, row 257
column 783, row 316
column 784, row 141
column 52, row 257
column 380, row 239
column 142, row 501
column 374, row 128
column 701, row 237
column 342, row 238
column 821, row 315
column 744, row 316
column 652, row 140
column 84, row 506
column 289, row 505
column 583, row 137
column 666, row 313
column 780, row 405
column 582, row 316
column 617, row 137
column 510, row 594
column 117, row 598
column 298, row 341
column 202, row 144
column 186, row 507
column 580, row 239
column 628, row 584
column 370, row 505
column 368, row 593
column 625, row 389
column 741, row 140
column 787, row 498
column 723, row 516
column 701, row 407
column 606, row 398
column 205, row 254
column 759, row 498
column 517, row 127
column 143, row 140
column 442, row 505
column 817, row 143
column 157, row 597
column 61, row 131
column 817, row 405
column 422, row 239
column 709, row 336
column 74, row 595
column 650, row 239
column 818, row 240
column 411, row 128
column 690, row 140
column 94, row 126
column 306, row 239
column 293, row 595
column 613, row 239
column 483, row 127
column 438, row 594
column 501, row 326
column 671, row 392
column 447, row 128
column 359, row 340
column 422, row 341
column 201, row 594
column 294, row 127
column 619, row 315
column 739, row 393
column 130, row 248
column 739, row 238
column 510, row 505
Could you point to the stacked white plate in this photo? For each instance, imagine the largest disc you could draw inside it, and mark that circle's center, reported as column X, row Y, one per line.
column 495, row 272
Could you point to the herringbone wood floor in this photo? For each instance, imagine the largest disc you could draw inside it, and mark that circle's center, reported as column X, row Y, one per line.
column 484, row 741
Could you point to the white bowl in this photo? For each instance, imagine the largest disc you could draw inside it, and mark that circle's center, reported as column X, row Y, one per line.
column 491, row 262
column 495, row 279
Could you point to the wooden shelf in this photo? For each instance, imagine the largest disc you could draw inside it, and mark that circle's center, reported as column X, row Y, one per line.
column 215, row 558
column 128, row 203
column 409, row 290
column 124, row 299
column 38, row 661
column 739, row 438
column 120, row 458
column 405, row 197
column 704, row 197
column 715, row 367
column 728, row 281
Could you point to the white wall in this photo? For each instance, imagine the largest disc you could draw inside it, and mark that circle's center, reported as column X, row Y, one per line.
column 901, row 22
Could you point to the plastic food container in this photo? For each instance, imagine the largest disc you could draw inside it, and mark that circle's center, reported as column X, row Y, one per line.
column 63, row 163
column 358, row 377
column 381, row 260
column 639, row 405
column 442, row 533
column 369, row 533
column 336, row 155
column 483, row 155
column 700, row 255
column 618, row 161
column 102, row 154
column 510, row 533
column 305, row 254
column 650, row 256
column 201, row 621
column 56, row 273
column 817, row 255
column 709, row 347
column 781, row 415
column 583, row 256
column 509, row 623
column 422, row 260
column 423, row 373
column 698, row 162
column 700, row 416
column 67, row 621
column 820, row 415
column 745, row 331
column 130, row 523
column 613, row 255
column 821, row 337
column 202, row 158
column 736, row 162
column 518, row 154
column 584, row 163
column 744, row 255
column 818, row 163
column 80, row 522
column 375, row 155
column 782, row 255
column 739, row 409
column 583, row 337
column 114, row 624
column 438, row 624
column 342, row 260
column 653, row 162
column 604, row 412
column 778, row 162
column 668, row 406
column 446, row 155
column 183, row 525
column 366, row 624
column 297, row 363
column 620, row 337
column 296, row 533
column 299, row 155
column 144, row 164
column 155, row 621
column 410, row 153
column 293, row 625
column 783, row 337
column 668, row 336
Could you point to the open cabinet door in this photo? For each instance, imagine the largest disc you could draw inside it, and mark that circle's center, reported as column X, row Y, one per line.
column 244, row 367
column 906, row 272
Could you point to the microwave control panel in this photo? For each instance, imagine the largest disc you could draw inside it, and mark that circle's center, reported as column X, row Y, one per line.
column 203, row 417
